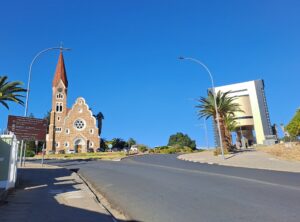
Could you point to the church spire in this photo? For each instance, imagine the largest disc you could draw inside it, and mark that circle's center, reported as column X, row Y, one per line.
column 60, row 73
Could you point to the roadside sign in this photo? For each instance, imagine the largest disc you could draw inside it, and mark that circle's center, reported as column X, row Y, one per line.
column 27, row 128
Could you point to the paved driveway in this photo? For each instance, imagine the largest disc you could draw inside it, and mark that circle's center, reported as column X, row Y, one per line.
column 163, row 188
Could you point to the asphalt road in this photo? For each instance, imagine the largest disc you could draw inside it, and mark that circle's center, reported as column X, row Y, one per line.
column 162, row 188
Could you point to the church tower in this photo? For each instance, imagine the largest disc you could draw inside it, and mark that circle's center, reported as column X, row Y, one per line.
column 59, row 105
column 74, row 129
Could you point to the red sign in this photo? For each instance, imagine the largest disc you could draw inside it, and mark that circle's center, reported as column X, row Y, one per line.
column 26, row 128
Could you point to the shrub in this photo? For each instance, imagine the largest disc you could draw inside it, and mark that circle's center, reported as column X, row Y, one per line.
column 29, row 153
column 171, row 149
column 218, row 151
column 142, row 148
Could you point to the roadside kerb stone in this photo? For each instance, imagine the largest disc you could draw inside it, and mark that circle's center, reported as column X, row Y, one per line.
column 117, row 213
column 248, row 159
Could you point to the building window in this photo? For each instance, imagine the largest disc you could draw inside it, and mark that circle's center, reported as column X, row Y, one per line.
column 79, row 124
column 59, row 96
column 58, row 129
column 80, row 102
column 66, row 144
column 91, row 144
column 67, row 131
column 91, row 131
column 80, row 110
column 56, row 144
column 59, row 108
column 58, row 118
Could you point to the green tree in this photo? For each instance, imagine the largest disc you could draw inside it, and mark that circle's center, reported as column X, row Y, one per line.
column 131, row 142
column 226, row 107
column 47, row 117
column 10, row 91
column 103, row 143
column 294, row 125
column 180, row 139
column 231, row 126
column 118, row 143
column 99, row 118
column 142, row 148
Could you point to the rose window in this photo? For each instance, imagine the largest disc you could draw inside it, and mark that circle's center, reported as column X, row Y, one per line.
column 79, row 124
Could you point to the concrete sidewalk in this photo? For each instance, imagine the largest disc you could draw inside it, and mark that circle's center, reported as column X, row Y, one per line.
column 51, row 194
column 248, row 159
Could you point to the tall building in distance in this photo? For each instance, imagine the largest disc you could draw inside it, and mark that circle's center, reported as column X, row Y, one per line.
column 69, row 129
column 254, row 123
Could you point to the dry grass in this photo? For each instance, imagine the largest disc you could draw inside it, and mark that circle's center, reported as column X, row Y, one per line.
column 102, row 156
column 282, row 151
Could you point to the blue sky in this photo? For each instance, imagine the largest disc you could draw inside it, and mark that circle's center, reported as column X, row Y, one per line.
column 124, row 58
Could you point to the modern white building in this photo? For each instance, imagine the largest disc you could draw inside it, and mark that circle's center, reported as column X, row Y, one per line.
column 254, row 123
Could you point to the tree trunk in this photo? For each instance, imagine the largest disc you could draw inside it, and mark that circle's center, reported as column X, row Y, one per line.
column 225, row 139
column 228, row 136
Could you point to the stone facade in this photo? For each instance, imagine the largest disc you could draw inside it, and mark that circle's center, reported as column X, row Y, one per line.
column 69, row 129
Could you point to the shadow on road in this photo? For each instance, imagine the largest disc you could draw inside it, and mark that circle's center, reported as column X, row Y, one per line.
column 50, row 195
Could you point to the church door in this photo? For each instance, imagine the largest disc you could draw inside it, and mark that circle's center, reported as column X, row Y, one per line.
column 78, row 145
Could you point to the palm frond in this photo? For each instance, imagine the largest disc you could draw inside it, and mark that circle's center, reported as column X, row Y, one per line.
column 10, row 91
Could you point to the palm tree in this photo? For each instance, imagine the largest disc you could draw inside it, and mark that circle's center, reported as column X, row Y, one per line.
column 99, row 118
column 10, row 91
column 231, row 126
column 226, row 107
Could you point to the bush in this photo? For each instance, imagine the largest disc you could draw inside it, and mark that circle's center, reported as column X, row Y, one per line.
column 171, row 149
column 218, row 151
column 142, row 148
column 29, row 153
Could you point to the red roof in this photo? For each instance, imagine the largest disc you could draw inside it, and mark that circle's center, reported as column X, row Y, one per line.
column 60, row 73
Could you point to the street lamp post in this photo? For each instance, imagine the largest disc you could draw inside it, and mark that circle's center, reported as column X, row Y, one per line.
column 30, row 69
column 215, row 100
column 206, row 135
column 28, row 86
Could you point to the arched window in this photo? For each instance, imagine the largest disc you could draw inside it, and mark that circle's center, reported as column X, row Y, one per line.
column 59, row 96
column 59, row 107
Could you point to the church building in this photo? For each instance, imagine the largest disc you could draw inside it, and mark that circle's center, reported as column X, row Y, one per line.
column 69, row 129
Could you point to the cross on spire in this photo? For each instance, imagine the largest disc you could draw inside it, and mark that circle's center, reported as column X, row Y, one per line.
column 60, row 73
column 61, row 46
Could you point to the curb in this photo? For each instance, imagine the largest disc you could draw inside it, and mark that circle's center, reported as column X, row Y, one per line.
column 116, row 214
column 195, row 161
column 237, row 166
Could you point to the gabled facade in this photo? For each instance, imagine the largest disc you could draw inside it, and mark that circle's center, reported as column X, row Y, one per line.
column 69, row 129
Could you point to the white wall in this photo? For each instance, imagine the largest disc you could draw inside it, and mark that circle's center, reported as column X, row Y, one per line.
column 253, row 89
column 8, row 161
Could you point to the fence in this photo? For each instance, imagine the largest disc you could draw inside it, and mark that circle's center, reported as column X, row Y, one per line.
column 8, row 160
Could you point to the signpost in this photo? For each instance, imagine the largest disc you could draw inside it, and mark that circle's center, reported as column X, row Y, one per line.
column 27, row 129
column 110, row 146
